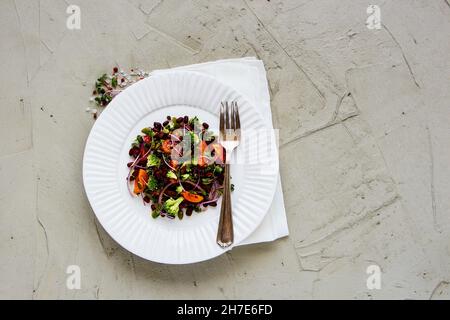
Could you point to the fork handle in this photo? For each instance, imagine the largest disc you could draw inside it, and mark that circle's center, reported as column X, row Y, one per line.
column 225, row 236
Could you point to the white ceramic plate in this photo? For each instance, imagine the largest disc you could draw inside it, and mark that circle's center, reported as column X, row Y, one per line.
column 125, row 217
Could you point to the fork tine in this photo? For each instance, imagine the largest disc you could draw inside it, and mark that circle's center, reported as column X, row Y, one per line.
column 237, row 119
column 222, row 122
column 233, row 117
column 227, row 116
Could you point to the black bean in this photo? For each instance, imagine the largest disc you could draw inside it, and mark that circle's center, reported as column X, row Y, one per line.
column 153, row 206
column 165, row 123
column 189, row 211
column 205, row 125
column 169, row 118
column 133, row 151
column 180, row 119
column 213, row 204
column 186, row 119
column 171, row 193
column 158, row 174
column 157, row 125
column 146, row 199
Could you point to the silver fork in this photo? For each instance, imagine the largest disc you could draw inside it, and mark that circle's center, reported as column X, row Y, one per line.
column 229, row 138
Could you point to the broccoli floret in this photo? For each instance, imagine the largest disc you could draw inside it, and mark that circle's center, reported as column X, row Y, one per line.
column 153, row 160
column 172, row 206
column 185, row 176
column 179, row 189
column 152, row 183
column 171, row 175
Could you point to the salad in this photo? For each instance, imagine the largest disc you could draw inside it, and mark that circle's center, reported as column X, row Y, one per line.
column 177, row 166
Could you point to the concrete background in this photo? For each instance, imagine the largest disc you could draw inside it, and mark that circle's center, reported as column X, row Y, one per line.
column 365, row 135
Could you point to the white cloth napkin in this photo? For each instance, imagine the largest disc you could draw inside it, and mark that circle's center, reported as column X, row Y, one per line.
column 248, row 76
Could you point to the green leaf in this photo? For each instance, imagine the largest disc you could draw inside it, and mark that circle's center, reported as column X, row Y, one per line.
column 194, row 138
column 194, row 120
column 218, row 169
column 206, row 180
column 114, row 82
column 102, row 79
column 172, row 123
column 171, row 175
column 147, row 131
column 156, row 213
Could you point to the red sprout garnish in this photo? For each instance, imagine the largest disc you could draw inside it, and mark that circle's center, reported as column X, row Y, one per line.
column 174, row 136
column 195, row 186
column 198, row 183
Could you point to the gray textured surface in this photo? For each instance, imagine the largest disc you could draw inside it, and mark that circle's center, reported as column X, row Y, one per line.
column 364, row 117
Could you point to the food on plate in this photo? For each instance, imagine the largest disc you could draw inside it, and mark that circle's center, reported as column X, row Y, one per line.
column 177, row 167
